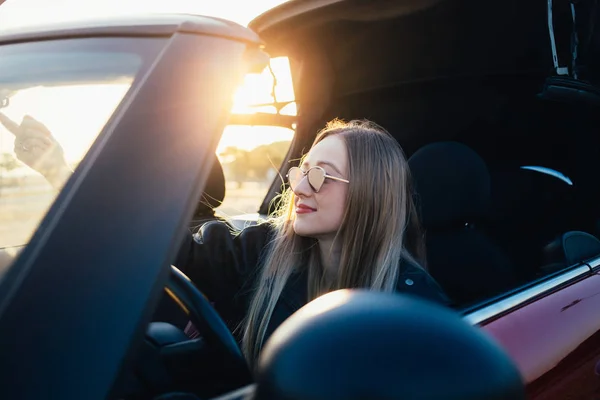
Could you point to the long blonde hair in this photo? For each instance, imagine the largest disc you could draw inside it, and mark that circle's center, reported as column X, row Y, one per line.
column 380, row 227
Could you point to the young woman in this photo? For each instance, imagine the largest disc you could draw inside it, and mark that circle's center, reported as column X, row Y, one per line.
column 347, row 221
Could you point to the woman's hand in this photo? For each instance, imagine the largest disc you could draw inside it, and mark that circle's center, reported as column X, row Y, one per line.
column 37, row 148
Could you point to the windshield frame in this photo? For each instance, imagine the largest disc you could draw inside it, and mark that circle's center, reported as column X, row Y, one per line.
column 88, row 281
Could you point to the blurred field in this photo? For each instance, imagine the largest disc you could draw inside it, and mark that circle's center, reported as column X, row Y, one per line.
column 243, row 200
column 22, row 205
column 24, row 202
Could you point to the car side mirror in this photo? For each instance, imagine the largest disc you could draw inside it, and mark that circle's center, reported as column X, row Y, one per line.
column 356, row 344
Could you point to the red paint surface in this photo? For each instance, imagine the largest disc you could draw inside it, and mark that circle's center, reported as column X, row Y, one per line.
column 543, row 334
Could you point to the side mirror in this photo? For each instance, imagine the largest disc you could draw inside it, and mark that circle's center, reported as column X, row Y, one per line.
column 356, row 344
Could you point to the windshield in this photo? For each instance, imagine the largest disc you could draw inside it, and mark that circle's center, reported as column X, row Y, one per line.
column 55, row 99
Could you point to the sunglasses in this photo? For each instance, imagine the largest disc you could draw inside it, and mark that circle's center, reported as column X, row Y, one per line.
column 316, row 177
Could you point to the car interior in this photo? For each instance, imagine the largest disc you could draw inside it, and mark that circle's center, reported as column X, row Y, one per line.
column 503, row 168
column 502, row 147
column 498, row 197
column 212, row 197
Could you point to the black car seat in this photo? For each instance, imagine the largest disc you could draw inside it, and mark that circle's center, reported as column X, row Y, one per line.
column 531, row 206
column 212, row 197
column 569, row 249
column 452, row 192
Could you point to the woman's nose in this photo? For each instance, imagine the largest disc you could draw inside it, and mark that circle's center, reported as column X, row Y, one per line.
column 303, row 188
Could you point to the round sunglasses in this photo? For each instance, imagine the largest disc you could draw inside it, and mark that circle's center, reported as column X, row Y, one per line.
column 316, row 177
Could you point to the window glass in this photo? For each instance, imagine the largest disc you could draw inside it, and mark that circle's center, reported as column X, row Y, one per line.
column 55, row 99
column 252, row 152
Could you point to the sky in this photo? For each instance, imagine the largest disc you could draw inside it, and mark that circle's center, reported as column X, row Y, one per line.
column 77, row 131
column 23, row 12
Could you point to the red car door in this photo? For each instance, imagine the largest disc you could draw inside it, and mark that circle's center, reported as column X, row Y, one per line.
column 552, row 331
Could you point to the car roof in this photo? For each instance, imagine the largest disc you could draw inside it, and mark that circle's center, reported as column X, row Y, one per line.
column 294, row 12
column 137, row 24
column 359, row 42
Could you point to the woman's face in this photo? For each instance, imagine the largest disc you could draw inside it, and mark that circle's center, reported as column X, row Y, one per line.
column 319, row 215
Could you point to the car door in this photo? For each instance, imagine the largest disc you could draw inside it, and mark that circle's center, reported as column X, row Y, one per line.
column 82, row 290
column 552, row 331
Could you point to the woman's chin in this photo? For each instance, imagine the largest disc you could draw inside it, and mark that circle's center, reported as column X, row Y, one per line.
column 298, row 229
column 301, row 229
column 307, row 229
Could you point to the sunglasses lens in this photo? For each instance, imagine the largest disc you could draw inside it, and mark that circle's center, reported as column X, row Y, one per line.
column 295, row 176
column 316, row 177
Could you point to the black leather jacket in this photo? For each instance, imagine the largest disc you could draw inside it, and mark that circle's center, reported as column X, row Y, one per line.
column 224, row 267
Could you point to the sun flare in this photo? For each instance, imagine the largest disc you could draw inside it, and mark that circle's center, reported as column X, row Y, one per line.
column 258, row 93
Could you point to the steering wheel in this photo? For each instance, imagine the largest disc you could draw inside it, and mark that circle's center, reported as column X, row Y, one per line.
column 169, row 361
column 204, row 317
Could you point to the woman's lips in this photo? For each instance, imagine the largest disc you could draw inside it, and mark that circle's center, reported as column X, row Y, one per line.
column 302, row 209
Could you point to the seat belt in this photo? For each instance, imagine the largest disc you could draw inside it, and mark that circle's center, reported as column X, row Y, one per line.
column 563, row 69
column 566, row 84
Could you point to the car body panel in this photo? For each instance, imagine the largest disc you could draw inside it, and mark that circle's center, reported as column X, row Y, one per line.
column 575, row 377
column 544, row 334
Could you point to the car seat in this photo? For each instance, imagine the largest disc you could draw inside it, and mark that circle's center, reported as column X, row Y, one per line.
column 212, row 197
column 452, row 192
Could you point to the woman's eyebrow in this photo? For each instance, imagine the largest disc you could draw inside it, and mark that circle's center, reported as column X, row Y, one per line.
column 321, row 163
column 331, row 165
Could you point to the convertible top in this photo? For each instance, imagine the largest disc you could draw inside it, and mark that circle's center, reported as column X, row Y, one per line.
column 387, row 43
column 320, row 11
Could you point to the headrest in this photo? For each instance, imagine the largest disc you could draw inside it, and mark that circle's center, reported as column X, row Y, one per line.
column 360, row 344
column 214, row 191
column 571, row 248
column 452, row 184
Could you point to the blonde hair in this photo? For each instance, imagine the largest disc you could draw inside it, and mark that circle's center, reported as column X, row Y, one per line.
column 380, row 227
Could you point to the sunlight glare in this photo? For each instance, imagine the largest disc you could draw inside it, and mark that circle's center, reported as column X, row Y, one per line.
column 19, row 13
column 257, row 89
column 248, row 137
column 74, row 114
column 255, row 95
